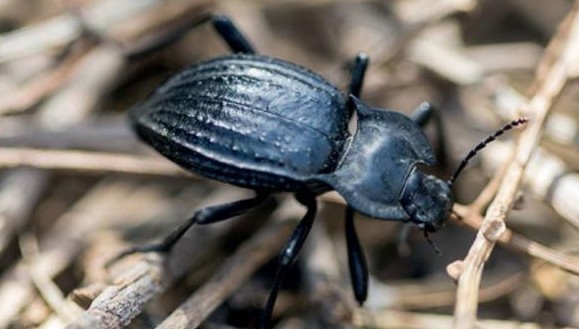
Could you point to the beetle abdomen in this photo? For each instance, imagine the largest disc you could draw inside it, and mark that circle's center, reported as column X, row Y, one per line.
column 246, row 122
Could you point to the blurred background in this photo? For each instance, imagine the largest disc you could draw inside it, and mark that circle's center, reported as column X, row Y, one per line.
column 77, row 187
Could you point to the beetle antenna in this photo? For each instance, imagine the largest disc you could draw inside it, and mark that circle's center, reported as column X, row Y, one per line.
column 482, row 145
column 431, row 243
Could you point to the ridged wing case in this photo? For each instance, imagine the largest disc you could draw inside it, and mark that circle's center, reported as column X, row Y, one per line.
column 247, row 120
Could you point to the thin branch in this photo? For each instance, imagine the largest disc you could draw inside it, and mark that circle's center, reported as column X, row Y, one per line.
column 63, row 29
column 100, row 207
column 519, row 243
column 31, row 93
column 236, row 270
column 331, row 299
column 549, row 86
column 120, row 302
column 391, row 319
column 41, row 278
column 19, row 192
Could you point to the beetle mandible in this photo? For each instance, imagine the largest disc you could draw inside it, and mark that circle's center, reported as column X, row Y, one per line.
column 272, row 126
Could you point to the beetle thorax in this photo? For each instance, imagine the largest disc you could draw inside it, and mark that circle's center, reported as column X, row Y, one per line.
column 427, row 200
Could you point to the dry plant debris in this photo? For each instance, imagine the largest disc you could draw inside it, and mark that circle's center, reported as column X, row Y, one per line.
column 76, row 187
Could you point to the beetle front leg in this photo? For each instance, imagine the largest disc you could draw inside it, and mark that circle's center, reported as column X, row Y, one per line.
column 231, row 34
column 356, row 259
column 422, row 115
column 203, row 216
column 358, row 72
column 290, row 253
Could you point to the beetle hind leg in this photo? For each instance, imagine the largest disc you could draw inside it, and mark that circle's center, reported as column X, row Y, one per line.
column 203, row 216
column 289, row 254
column 356, row 259
column 232, row 36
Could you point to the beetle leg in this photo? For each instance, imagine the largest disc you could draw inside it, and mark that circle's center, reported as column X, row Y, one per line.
column 203, row 216
column 358, row 73
column 290, row 253
column 422, row 115
column 231, row 34
column 356, row 259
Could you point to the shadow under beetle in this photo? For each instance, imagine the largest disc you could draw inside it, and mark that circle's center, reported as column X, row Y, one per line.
column 273, row 126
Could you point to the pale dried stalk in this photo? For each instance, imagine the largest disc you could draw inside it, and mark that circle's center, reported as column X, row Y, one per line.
column 61, row 30
column 43, row 282
column 32, row 92
column 390, row 319
column 150, row 274
column 329, row 296
column 19, row 192
column 550, row 85
column 519, row 243
column 232, row 274
column 98, row 208
column 82, row 161
column 79, row 109
column 548, row 178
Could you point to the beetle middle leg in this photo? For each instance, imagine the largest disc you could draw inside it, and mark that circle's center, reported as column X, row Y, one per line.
column 356, row 259
column 290, row 252
column 203, row 216
column 231, row 34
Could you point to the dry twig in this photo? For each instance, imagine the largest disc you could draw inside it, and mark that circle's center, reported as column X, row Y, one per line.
column 62, row 244
column 236, row 270
column 405, row 320
column 81, row 161
column 549, row 86
column 63, row 29
column 519, row 243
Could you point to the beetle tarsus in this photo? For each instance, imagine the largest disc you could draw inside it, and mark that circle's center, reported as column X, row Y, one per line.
column 356, row 259
column 289, row 254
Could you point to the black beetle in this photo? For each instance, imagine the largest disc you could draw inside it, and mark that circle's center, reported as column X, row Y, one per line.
column 272, row 126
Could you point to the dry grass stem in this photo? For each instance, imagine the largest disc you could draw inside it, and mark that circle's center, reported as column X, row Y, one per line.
column 550, row 85
column 91, row 162
column 233, row 273
column 70, row 71
column 330, row 297
column 391, row 319
column 519, row 243
column 62, row 30
column 62, row 244
column 136, row 280
column 49, row 291
column 30, row 94
column 19, row 192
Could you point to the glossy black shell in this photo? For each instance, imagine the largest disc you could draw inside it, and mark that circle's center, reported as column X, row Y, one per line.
column 248, row 120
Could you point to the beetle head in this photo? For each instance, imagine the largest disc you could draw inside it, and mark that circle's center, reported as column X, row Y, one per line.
column 427, row 200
